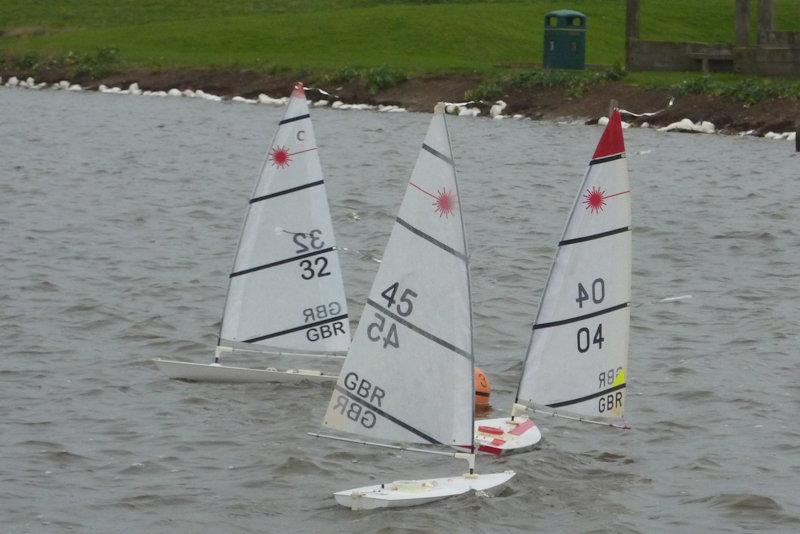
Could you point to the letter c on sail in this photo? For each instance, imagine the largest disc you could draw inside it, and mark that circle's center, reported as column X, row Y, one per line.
column 301, row 135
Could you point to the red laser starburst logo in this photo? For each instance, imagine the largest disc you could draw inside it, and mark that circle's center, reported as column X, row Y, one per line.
column 594, row 199
column 445, row 203
column 279, row 156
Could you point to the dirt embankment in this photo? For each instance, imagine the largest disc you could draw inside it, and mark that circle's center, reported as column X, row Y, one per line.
column 420, row 94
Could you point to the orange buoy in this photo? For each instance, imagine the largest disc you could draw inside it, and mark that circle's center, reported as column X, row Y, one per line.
column 482, row 388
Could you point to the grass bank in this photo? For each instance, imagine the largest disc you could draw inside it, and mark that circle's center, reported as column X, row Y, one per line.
column 393, row 51
column 419, row 37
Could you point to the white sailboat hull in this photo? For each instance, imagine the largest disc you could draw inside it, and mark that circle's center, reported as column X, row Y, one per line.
column 502, row 436
column 199, row 372
column 403, row 493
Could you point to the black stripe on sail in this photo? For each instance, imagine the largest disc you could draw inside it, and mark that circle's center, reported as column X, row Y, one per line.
column 606, row 159
column 419, row 330
column 287, row 191
column 594, row 236
column 431, row 239
column 295, row 329
column 385, row 415
column 581, row 317
column 281, row 262
column 587, row 397
column 297, row 118
column 437, row 154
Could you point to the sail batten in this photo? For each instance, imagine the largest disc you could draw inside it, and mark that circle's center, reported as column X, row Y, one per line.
column 285, row 287
column 287, row 191
column 578, row 353
column 408, row 375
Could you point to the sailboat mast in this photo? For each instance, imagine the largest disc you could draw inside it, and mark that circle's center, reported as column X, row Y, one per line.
column 469, row 292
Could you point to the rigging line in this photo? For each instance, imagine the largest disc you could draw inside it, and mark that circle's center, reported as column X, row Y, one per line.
column 385, row 415
column 301, row 151
column 623, row 426
column 419, row 330
column 385, row 445
column 418, row 187
column 334, row 356
column 617, row 194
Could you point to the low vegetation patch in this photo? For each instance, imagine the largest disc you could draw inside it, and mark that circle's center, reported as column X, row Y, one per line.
column 749, row 90
column 575, row 82
column 375, row 79
column 71, row 65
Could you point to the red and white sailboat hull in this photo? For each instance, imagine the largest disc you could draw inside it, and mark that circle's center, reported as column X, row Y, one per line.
column 504, row 436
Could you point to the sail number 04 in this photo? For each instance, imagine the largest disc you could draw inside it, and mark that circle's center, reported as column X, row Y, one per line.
column 585, row 338
column 403, row 305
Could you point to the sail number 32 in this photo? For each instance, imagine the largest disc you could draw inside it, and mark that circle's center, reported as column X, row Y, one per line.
column 306, row 242
column 403, row 305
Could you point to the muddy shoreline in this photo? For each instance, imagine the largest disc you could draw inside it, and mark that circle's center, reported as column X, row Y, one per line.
column 420, row 94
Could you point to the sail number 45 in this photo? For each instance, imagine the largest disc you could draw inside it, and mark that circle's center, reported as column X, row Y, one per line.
column 403, row 305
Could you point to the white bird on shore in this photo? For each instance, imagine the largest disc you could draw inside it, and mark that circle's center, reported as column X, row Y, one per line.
column 497, row 108
column 468, row 112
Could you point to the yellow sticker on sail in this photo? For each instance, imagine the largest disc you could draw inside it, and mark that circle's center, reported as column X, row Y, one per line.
column 620, row 378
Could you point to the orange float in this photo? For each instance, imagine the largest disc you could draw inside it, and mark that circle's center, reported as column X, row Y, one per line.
column 482, row 388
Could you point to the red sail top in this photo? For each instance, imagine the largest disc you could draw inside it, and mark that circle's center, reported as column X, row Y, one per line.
column 611, row 142
column 299, row 90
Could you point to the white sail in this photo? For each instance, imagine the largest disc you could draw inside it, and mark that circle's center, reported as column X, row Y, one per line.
column 286, row 288
column 578, row 354
column 408, row 376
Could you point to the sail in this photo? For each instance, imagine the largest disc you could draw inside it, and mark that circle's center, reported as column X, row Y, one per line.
column 578, row 353
column 286, row 288
column 408, row 376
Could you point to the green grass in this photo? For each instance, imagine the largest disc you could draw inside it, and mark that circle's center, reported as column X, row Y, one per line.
column 396, row 37
column 745, row 89
column 414, row 37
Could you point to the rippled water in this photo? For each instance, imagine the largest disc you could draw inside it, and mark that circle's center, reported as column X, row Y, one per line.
column 119, row 217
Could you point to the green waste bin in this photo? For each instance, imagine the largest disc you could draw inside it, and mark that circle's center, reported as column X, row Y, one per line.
column 565, row 40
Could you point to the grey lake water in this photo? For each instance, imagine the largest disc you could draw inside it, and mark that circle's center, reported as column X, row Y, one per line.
column 119, row 217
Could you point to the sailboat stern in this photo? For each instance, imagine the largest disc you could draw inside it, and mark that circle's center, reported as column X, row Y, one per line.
column 506, row 436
